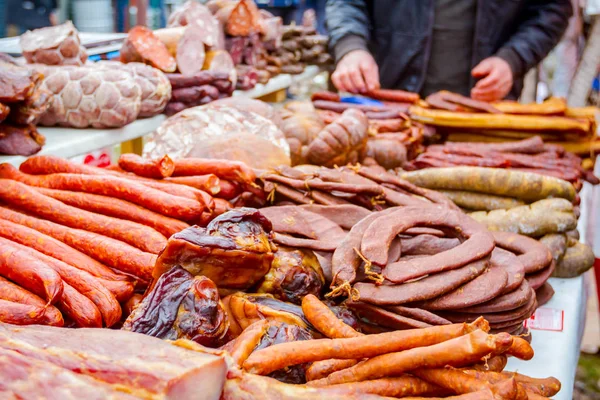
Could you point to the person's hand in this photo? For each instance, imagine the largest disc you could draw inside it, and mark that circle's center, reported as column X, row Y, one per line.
column 54, row 18
column 496, row 79
column 356, row 72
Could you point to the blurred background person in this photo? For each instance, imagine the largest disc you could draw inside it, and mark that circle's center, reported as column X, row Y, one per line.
column 478, row 48
column 25, row 15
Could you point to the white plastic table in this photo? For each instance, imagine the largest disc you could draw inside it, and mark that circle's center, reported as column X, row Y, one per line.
column 557, row 352
column 68, row 142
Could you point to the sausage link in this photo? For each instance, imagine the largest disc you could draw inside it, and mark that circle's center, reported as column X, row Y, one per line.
column 44, row 165
column 16, row 294
column 115, row 254
column 149, row 168
column 57, row 249
column 85, row 284
column 31, row 201
column 399, row 96
column 209, row 183
column 112, row 186
column 21, row 314
column 117, row 208
column 79, row 309
column 29, row 272
column 224, row 169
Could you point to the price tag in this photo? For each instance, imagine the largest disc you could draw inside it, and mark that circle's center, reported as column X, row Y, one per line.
column 546, row 319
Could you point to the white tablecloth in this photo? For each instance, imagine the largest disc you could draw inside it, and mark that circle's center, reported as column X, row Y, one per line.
column 557, row 353
column 68, row 142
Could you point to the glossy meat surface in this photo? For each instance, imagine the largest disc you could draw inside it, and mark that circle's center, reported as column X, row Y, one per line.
column 181, row 306
column 233, row 250
column 138, row 363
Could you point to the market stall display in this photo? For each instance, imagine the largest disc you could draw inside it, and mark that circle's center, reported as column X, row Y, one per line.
column 320, row 249
column 528, row 203
column 59, row 217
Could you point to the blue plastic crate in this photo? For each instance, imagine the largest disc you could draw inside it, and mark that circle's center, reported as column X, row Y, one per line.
column 365, row 101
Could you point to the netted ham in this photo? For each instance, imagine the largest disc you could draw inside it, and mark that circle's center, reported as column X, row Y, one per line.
column 155, row 86
column 55, row 45
column 88, row 97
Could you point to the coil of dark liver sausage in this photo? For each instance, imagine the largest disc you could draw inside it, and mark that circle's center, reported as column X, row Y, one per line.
column 29, row 272
column 113, row 253
column 512, row 265
column 155, row 200
column 345, row 260
column 379, row 235
column 537, row 279
column 28, row 199
column 506, row 302
column 485, row 287
column 532, row 254
column 422, row 289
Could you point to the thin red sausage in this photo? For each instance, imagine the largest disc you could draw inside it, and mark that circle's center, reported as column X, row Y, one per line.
column 33, row 202
column 85, row 284
column 117, row 208
column 115, row 254
column 57, row 249
column 16, row 294
column 112, row 186
column 148, row 168
column 29, row 272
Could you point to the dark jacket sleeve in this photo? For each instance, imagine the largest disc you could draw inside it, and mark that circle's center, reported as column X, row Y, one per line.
column 348, row 26
column 543, row 22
